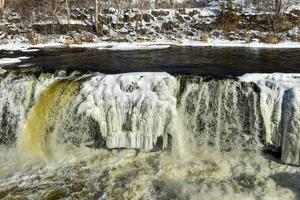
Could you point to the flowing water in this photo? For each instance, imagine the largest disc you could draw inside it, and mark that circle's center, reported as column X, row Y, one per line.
column 147, row 135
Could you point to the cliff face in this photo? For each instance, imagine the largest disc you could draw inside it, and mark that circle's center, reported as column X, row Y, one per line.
column 201, row 24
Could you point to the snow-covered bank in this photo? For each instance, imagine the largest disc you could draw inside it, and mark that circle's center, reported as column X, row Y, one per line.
column 7, row 61
column 125, row 46
column 239, row 43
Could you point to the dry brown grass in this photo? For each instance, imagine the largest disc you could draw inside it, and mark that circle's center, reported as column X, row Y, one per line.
column 296, row 38
column 34, row 41
column 248, row 39
column 270, row 39
column 204, row 37
column 69, row 41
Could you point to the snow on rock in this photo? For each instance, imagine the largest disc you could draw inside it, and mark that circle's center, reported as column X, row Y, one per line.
column 294, row 31
column 237, row 43
column 133, row 110
column 14, row 46
column 158, row 44
column 280, row 108
column 130, row 46
column 8, row 61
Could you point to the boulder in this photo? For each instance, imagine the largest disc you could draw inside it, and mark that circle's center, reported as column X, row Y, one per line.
column 157, row 13
column 168, row 26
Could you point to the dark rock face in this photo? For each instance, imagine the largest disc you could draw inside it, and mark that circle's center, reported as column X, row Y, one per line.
column 157, row 13
column 60, row 28
column 168, row 26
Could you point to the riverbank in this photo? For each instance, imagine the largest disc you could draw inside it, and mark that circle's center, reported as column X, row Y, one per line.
column 153, row 29
column 126, row 46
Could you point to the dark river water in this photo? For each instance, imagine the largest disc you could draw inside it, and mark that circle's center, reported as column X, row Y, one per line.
column 174, row 60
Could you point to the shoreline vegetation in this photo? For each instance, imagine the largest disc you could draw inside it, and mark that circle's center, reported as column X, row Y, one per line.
column 112, row 26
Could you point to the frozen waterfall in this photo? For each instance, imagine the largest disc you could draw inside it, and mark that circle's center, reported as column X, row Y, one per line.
column 279, row 104
column 151, row 111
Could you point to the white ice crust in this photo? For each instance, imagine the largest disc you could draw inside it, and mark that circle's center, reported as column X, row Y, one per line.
column 280, row 108
column 159, row 44
column 8, row 61
column 133, row 109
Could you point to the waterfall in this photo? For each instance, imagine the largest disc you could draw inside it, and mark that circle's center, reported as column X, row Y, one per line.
column 151, row 111
column 279, row 104
column 45, row 116
column 222, row 113
column 18, row 93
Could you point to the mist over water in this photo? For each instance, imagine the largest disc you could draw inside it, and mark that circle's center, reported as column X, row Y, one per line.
column 148, row 136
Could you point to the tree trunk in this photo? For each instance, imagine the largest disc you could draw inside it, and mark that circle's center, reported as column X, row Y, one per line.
column 278, row 5
column 205, row 2
column 2, row 7
column 68, row 13
column 97, row 17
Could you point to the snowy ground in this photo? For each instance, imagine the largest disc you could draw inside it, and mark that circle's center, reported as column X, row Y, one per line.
column 7, row 61
column 147, row 45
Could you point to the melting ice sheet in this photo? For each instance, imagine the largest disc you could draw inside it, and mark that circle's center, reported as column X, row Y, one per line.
column 280, row 108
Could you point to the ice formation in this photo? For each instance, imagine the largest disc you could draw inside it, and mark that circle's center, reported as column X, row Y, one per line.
column 132, row 110
column 279, row 104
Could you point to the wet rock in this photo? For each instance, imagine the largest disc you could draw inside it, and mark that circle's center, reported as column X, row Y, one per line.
column 296, row 12
column 117, row 25
column 182, row 11
column 271, row 39
column 147, row 17
column 189, row 33
column 157, row 13
column 197, row 26
column 179, row 18
column 187, row 17
column 103, row 19
column 168, row 26
column 193, row 13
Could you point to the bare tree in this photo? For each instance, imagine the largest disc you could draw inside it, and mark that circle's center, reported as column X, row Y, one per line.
column 278, row 6
column 2, row 7
column 67, row 6
column 97, row 17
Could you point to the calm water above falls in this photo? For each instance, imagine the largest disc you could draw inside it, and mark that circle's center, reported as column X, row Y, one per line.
column 175, row 60
column 152, row 135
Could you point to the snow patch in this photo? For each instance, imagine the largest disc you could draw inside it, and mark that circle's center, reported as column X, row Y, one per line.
column 8, row 61
column 237, row 43
column 129, row 46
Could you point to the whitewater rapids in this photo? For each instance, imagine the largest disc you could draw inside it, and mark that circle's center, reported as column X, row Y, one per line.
column 148, row 136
